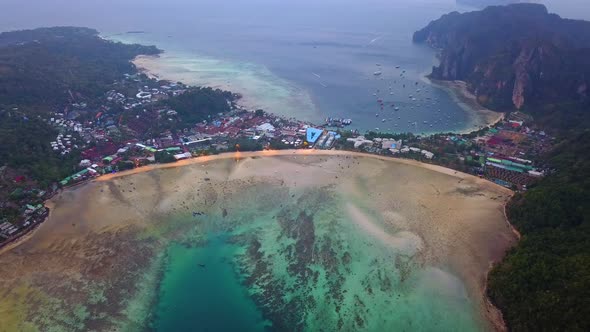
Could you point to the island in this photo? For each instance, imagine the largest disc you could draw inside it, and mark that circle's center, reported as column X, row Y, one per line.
column 485, row 3
column 114, row 179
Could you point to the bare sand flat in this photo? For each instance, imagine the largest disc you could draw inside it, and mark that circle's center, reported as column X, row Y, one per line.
column 96, row 263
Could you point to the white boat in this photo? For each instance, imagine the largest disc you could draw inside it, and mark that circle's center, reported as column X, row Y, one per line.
column 377, row 73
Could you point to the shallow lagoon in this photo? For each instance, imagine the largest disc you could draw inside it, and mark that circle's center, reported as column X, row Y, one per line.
column 299, row 259
column 297, row 241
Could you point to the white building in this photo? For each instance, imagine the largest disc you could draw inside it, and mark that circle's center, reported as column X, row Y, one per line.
column 266, row 127
column 359, row 141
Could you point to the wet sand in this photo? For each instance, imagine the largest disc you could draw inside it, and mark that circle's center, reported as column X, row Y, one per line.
column 95, row 263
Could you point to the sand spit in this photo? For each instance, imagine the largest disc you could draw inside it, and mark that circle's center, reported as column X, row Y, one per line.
column 408, row 243
column 83, row 268
column 258, row 86
column 143, row 62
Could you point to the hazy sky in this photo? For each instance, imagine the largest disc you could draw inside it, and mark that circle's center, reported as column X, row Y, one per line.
column 18, row 14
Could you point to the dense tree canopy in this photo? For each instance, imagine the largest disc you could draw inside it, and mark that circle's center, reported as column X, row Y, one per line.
column 24, row 145
column 198, row 104
column 544, row 283
column 49, row 66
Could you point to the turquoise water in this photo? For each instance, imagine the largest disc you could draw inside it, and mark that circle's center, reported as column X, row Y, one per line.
column 200, row 291
column 297, row 261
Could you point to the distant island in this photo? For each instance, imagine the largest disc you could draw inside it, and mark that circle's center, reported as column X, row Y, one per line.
column 520, row 57
column 484, row 3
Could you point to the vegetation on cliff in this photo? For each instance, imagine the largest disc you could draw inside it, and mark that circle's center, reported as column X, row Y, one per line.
column 521, row 56
column 544, row 283
column 513, row 56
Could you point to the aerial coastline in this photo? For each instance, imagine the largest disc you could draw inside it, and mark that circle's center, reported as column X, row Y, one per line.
column 405, row 165
column 241, row 129
column 258, row 87
column 479, row 116
column 122, row 190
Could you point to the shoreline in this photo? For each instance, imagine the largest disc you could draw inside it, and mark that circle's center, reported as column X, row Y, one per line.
column 299, row 152
column 144, row 70
column 282, row 95
column 492, row 314
column 458, row 92
column 478, row 116
column 481, row 117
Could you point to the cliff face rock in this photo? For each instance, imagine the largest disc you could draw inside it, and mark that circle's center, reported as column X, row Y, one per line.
column 513, row 56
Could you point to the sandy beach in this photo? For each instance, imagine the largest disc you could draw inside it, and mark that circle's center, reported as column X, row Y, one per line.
column 480, row 116
column 93, row 256
column 143, row 62
column 257, row 86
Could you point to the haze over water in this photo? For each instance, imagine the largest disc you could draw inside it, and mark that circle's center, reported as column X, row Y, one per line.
column 305, row 59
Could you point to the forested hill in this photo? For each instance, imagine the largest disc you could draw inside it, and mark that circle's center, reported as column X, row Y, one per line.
column 47, row 67
column 520, row 56
column 513, row 56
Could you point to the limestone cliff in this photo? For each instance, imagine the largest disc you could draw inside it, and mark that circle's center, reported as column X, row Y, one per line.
column 513, row 56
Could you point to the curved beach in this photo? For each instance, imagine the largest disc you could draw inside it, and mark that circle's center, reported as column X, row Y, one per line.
column 258, row 86
column 371, row 243
column 481, row 117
